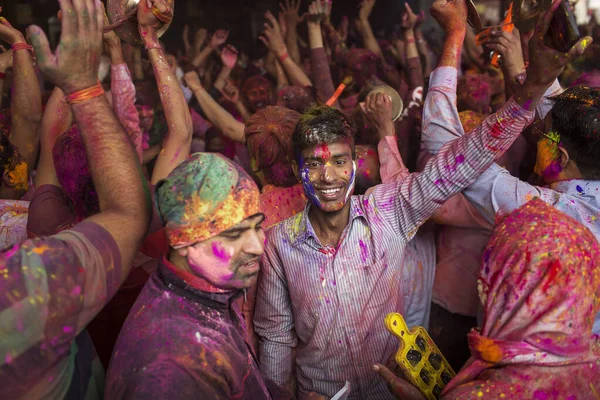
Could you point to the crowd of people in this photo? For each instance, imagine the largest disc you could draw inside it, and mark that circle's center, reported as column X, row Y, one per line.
column 194, row 222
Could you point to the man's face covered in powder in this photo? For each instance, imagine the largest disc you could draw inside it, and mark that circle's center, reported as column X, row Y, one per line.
column 328, row 173
column 258, row 97
column 230, row 260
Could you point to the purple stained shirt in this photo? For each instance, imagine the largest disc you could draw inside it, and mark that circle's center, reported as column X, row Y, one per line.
column 182, row 342
column 50, row 288
column 330, row 304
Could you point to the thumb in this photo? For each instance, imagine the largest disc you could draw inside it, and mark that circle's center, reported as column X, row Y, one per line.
column 385, row 373
column 39, row 41
column 363, row 107
column 579, row 47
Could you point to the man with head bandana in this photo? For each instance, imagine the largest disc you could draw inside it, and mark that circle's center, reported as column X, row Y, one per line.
column 332, row 273
column 184, row 336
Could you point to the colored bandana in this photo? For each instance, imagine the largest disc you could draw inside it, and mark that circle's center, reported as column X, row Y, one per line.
column 204, row 196
column 539, row 284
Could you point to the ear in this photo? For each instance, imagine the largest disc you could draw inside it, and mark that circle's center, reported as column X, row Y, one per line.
column 296, row 170
column 564, row 157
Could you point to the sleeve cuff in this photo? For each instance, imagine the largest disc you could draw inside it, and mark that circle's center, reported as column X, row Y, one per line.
column 120, row 72
column 512, row 110
column 554, row 90
column 444, row 77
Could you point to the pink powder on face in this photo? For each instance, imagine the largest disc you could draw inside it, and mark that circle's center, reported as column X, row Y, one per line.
column 220, row 252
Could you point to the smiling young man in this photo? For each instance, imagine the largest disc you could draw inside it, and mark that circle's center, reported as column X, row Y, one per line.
column 185, row 337
column 331, row 274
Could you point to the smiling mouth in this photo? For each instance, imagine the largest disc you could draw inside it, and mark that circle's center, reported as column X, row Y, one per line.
column 330, row 194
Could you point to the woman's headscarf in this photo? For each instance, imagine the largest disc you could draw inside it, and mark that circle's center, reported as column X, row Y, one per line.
column 539, row 284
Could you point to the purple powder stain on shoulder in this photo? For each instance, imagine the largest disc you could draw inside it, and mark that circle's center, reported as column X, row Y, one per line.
column 580, row 189
column 460, row 159
column 438, row 182
column 364, row 252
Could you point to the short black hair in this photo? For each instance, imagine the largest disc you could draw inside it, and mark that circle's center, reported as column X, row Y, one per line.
column 576, row 117
column 322, row 125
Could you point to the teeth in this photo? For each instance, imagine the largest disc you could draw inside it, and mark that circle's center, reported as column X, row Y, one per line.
column 330, row 191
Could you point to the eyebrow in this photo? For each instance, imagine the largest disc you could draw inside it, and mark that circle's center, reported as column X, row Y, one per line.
column 342, row 155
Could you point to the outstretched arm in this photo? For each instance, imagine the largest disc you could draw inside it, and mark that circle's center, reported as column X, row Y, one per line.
column 178, row 141
column 273, row 39
column 26, row 104
column 231, row 127
column 364, row 27
column 122, row 193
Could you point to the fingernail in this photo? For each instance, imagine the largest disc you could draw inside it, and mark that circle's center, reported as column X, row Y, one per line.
column 376, row 368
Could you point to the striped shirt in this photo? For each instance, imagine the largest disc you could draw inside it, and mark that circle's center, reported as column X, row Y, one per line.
column 331, row 303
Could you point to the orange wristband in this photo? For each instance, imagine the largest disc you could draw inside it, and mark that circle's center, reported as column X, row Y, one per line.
column 21, row 46
column 85, row 94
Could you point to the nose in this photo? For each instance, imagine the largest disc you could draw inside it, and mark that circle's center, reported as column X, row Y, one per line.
column 328, row 174
column 255, row 245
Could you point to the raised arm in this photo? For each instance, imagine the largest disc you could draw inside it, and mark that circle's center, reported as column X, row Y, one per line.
column 460, row 162
column 178, row 141
column 290, row 12
column 273, row 39
column 364, row 27
column 26, row 103
column 229, row 56
column 123, row 91
column 218, row 39
column 122, row 193
column 321, row 73
column 217, row 115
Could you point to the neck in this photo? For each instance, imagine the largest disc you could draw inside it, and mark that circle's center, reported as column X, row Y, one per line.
column 329, row 225
column 571, row 171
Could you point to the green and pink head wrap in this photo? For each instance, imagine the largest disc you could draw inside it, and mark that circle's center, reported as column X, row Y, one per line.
column 204, row 196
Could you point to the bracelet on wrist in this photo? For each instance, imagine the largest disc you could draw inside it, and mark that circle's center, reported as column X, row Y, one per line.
column 284, row 57
column 21, row 46
column 85, row 94
column 151, row 46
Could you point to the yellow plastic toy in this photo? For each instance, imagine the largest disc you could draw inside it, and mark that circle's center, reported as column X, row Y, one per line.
column 420, row 359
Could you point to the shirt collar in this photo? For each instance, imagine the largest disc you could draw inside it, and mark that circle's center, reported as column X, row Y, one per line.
column 302, row 229
column 195, row 285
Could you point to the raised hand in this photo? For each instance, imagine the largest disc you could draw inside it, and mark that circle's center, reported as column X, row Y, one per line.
column 377, row 107
column 545, row 62
column 152, row 14
column 343, row 29
column 409, row 18
column 508, row 45
column 231, row 92
column 366, row 7
column 192, row 80
column 273, row 38
column 450, row 14
column 219, row 38
column 200, row 37
column 291, row 13
column 229, row 56
column 316, row 12
column 10, row 34
column 74, row 64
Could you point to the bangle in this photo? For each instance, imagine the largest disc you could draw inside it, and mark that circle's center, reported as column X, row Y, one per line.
column 21, row 46
column 2, row 75
column 284, row 57
column 409, row 41
column 151, row 46
column 85, row 94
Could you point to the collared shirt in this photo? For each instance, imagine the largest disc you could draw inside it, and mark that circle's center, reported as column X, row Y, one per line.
column 461, row 241
column 331, row 303
column 496, row 193
column 50, row 289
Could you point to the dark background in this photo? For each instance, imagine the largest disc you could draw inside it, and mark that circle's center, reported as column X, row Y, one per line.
column 243, row 18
